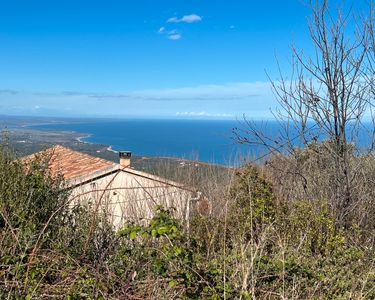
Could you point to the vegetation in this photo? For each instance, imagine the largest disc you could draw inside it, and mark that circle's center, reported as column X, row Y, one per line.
column 301, row 226
column 252, row 246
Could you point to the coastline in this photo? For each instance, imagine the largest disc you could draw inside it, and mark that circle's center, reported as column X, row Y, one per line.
column 81, row 138
column 86, row 137
column 110, row 149
column 33, row 137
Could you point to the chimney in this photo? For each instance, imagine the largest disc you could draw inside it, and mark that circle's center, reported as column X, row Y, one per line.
column 125, row 158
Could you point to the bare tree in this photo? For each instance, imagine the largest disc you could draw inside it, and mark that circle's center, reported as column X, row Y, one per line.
column 325, row 98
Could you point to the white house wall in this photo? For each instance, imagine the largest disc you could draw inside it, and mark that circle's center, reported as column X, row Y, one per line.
column 125, row 196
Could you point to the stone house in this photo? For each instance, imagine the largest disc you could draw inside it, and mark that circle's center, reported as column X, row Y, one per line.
column 116, row 188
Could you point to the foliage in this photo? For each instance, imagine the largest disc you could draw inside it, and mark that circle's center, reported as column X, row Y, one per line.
column 301, row 227
column 256, row 246
column 253, row 201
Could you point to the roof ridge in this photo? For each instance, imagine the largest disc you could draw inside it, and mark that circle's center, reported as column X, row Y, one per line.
column 70, row 163
column 81, row 153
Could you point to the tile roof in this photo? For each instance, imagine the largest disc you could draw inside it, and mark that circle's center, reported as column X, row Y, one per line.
column 69, row 163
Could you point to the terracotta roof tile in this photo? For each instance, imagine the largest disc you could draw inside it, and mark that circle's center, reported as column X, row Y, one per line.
column 69, row 163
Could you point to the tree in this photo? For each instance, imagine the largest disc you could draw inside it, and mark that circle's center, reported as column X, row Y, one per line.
column 326, row 97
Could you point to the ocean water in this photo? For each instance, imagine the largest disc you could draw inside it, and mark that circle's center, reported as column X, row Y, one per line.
column 208, row 141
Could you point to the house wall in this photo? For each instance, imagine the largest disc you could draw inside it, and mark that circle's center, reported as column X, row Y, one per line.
column 124, row 196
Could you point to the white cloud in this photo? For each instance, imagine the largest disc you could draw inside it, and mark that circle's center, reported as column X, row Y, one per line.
column 185, row 19
column 171, row 35
column 173, row 20
column 212, row 92
column 208, row 92
column 203, row 114
column 203, row 101
column 8, row 91
column 191, row 18
column 174, row 35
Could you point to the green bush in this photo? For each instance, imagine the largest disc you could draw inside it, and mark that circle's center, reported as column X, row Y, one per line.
column 254, row 247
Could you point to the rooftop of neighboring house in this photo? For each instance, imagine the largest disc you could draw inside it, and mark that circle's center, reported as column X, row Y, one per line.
column 76, row 167
column 69, row 163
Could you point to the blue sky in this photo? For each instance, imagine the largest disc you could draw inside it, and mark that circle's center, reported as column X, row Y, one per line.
column 155, row 58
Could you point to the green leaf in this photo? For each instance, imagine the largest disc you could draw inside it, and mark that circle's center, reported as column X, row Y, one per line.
column 133, row 234
column 172, row 283
column 177, row 250
column 162, row 230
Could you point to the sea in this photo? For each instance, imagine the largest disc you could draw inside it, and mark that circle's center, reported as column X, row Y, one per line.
column 212, row 141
